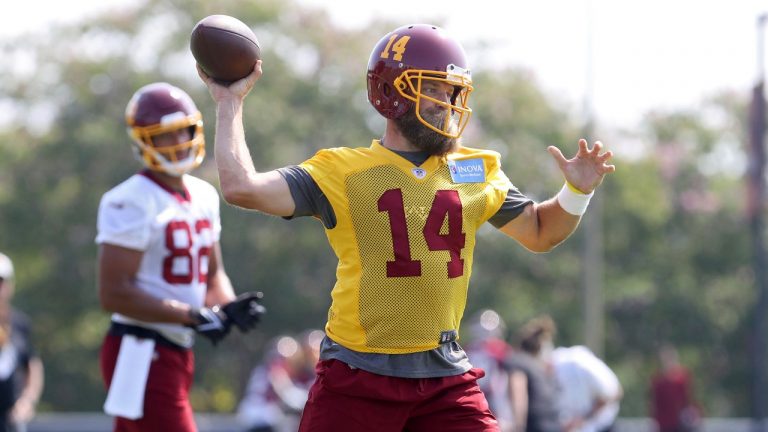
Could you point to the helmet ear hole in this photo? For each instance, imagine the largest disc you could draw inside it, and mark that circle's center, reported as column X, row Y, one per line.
column 386, row 90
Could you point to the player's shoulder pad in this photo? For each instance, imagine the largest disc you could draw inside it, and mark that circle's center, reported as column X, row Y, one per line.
column 339, row 152
column 492, row 158
column 126, row 204
column 198, row 185
column 475, row 152
column 333, row 160
column 132, row 190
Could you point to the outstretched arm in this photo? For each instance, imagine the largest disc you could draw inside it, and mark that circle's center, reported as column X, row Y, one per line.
column 241, row 184
column 542, row 226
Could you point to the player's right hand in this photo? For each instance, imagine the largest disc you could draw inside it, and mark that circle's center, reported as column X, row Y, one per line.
column 237, row 90
column 211, row 323
column 245, row 311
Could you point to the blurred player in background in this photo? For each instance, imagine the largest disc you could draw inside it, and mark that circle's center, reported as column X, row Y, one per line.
column 401, row 216
column 533, row 385
column 589, row 391
column 488, row 350
column 673, row 406
column 21, row 369
column 278, row 387
column 160, row 268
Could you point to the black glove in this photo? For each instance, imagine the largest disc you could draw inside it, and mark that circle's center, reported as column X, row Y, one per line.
column 244, row 311
column 211, row 323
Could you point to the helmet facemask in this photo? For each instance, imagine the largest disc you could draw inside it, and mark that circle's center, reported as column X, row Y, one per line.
column 175, row 160
column 160, row 109
column 410, row 85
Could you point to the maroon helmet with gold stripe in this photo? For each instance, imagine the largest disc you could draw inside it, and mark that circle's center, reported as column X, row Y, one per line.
column 160, row 108
column 409, row 56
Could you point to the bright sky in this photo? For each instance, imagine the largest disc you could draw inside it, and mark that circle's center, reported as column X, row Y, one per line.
column 650, row 54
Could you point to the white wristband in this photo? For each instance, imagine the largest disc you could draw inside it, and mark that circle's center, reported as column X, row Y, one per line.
column 573, row 202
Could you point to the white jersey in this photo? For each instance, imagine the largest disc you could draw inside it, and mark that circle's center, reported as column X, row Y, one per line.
column 174, row 232
column 583, row 379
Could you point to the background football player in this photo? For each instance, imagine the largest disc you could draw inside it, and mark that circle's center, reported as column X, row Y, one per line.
column 160, row 267
column 21, row 368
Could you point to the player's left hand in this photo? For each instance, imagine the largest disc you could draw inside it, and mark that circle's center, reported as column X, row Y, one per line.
column 245, row 311
column 586, row 170
column 211, row 323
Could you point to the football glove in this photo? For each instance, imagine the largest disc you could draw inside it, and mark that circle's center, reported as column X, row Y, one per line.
column 244, row 311
column 211, row 323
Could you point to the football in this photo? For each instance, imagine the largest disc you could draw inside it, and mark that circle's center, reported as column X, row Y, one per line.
column 224, row 47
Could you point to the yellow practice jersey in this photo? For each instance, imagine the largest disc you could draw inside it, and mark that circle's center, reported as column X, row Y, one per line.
column 404, row 238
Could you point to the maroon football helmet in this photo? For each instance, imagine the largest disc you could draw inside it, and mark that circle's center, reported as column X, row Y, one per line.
column 409, row 56
column 160, row 108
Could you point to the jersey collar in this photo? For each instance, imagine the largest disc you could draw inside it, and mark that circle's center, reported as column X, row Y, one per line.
column 181, row 196
column 430, row 165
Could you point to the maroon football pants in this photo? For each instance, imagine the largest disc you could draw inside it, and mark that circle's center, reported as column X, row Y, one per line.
column 166, row 399
column 344, row 399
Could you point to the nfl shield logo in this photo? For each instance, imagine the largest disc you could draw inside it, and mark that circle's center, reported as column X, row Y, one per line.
column 419, row 172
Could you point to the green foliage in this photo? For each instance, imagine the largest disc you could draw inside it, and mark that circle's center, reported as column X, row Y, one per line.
column 675, row 246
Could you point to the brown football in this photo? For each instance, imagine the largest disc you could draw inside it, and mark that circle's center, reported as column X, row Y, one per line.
column 224, row 47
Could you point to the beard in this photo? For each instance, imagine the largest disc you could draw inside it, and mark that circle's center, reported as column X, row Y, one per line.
column 424, row 138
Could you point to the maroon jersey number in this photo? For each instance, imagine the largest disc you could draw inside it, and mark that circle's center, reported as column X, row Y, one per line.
column 184, row 252
column 445, row 205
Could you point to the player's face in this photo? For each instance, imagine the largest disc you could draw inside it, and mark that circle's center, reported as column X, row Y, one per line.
column 174, row 138
column 438, row 90
column 422, row 137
